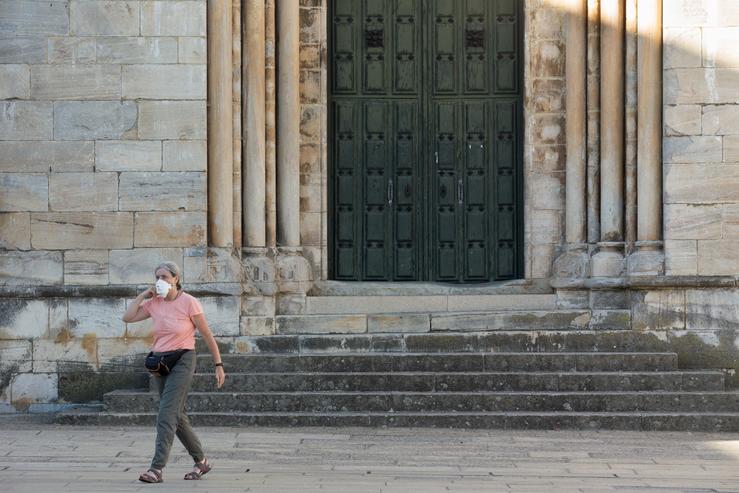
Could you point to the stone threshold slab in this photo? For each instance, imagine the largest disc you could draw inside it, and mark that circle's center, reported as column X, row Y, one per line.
column 346, row 288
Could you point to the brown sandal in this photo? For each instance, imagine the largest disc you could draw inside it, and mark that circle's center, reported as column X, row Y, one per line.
column 151, row 476
column 199, row 470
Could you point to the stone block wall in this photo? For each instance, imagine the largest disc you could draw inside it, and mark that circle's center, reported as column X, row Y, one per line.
column 701, row 137
column 102, row 174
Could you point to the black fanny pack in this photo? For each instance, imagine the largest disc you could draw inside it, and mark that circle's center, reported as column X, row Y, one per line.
column 162, row 363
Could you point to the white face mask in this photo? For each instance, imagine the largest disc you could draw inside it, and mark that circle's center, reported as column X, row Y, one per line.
column 162, row 287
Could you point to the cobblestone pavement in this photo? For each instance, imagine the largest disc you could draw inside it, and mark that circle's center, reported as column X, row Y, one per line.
column 39, row 457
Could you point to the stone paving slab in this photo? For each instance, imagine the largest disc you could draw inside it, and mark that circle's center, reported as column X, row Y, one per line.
column 36, row 456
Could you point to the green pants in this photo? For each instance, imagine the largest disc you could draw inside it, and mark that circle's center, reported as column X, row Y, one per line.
column 172, row 419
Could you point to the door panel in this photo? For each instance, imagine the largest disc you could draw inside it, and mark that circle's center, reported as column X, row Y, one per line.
column 425, row 141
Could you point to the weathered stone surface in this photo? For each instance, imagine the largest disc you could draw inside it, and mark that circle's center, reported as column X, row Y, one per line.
column 658, row 310
column 683, row 120
column 22, row 17
column 717, row 257
column 378, row 323
column 100, row 317
column 610, row 320
column 114, row 18
column 258, row 306
column 222, row 314
column 700, row 184
column 692, row 222
column 212, row 265
column 28, row 388
column 184, row 155
column 26, row 120
column 711, row 309
column 568, row 299
column 137, row 266
column 547, row 191
column 122, row 354
column 731, row 149
column 22, row 49
column 64, row 355
column 183, row 120
column 522, row 320
column 460, row 303
column 730, row 220
column 15, row 355
column 14, row 82
column 81, row 230
column 170, row 229
column 31, row 268
column 163, row 191
column 15, row 231
column 83, row 191
column 547, row 59
column 682, row 47
column 128, row 50
column 128, row 156
column 75, row 82
column 321, row 324
column 23, row 319
column 71, row 50
column 165, row 18
column 24, row 192
column 681, row 257
column 42, row 156
column 375, row 304
column 192, row 50
column 698, row 85
column 90, row 120
column 256, row 326
column 720, row 120
column 693, row 149
column 86, row 267
column 164, row 81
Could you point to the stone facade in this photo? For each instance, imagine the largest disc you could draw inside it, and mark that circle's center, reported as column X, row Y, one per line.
column 700, row 136
column 104, row 173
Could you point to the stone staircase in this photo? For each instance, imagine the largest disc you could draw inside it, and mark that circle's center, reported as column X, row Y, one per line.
column 547, row 380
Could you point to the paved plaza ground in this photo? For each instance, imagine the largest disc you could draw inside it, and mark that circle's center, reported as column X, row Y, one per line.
column 39, row 457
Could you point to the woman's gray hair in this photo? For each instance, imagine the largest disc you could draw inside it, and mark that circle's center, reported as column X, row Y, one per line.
column 173, row 269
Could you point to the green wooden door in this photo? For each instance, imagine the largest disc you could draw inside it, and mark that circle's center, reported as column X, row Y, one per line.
column 425, row 146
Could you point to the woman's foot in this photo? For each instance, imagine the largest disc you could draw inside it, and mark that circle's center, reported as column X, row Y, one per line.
column 199, row 470
column 151, row 476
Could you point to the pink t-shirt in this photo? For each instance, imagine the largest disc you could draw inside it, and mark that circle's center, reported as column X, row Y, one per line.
column 173, row 321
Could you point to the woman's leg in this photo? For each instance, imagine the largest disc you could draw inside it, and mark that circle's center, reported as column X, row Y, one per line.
column 172, row 396
column 189, row 439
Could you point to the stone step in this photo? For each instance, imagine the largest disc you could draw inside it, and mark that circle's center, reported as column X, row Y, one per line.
column 507, row 341
column 420, row 402
column 431, row 303
column 703, row 422
column 466, row 382
column 443, row 362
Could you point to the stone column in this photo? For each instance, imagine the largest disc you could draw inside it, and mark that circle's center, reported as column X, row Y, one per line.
column 294, row 274
column 254, row 126
column 609, row 259
column 237, row 66
column 573, row 262
column 271, row 123
column 631, row 133
column 288, row 124
column 593, row 104
column 575, row 73
column 220, row 124
column 648, row 258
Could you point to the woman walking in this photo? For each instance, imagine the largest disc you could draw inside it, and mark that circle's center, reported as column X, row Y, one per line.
column 176, row 315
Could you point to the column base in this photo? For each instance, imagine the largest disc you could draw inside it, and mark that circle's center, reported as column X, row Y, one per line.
column 259, row 265
column 573, row 262
column 294, row 272
column 647, row 260
column 609, row 260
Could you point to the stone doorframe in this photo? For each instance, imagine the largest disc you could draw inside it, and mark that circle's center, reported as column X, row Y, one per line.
column 591, row 227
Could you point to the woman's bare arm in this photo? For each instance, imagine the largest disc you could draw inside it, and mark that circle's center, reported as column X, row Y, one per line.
column 207, row 336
